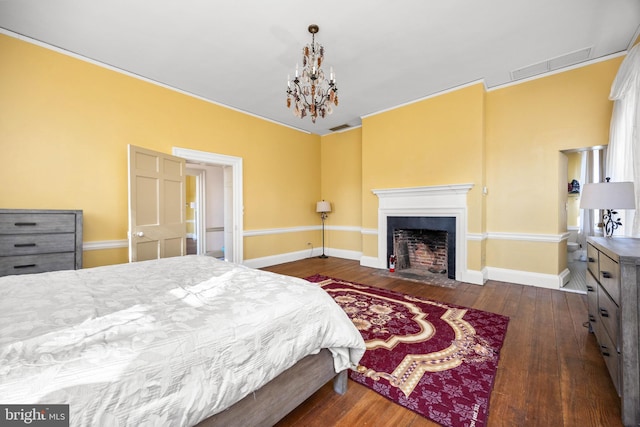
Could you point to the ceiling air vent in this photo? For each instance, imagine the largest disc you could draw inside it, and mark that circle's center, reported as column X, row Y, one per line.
column 552, row 64
column 570, row 59
column 337, row 128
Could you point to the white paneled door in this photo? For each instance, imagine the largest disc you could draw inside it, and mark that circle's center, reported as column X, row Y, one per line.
column 157, row 225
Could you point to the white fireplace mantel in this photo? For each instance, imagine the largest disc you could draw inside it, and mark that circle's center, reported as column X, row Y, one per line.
column 432, row 201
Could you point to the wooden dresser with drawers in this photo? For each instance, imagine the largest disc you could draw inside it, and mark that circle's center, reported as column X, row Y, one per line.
column 35, row 241
column 613, row 300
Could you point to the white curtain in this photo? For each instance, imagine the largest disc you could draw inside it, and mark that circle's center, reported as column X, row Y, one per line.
column 623, row 158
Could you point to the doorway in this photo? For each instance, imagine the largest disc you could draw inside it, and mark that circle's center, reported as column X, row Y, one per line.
column 205, row 210
column 229, row 199
column 579, row 167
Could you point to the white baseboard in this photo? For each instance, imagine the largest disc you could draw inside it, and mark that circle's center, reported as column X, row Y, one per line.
column 373, row 262
column 549, row 281
column 474, row 277
column 281, row 258
column 296, row 256
column 540, row 280
column 343, row 253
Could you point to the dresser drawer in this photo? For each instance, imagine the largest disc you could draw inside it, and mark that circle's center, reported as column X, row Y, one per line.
column 610, row 277
column 592, row 260
column 610, row 355
column 27, row 264
column 609, row 317
column 31, row 244
column 616, row 327
column 592, row 299
column 29, row 223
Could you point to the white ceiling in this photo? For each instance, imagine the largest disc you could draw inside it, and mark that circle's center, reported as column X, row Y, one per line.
column 385, row 53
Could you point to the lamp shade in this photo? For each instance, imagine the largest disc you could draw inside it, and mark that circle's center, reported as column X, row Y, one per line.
column 323, row 206
column 608, row 195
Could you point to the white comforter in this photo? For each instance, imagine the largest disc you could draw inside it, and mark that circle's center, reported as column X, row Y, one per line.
column 167, row 342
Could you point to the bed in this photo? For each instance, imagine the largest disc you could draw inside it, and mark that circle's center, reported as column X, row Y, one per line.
column 177, row 341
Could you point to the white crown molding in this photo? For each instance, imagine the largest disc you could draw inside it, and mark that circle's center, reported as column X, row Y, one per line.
column 433, row 95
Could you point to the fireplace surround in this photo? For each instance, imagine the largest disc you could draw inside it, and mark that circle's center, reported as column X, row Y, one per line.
column 443, row 201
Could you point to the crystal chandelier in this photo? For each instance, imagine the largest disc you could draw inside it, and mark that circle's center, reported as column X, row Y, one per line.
column 310, row 92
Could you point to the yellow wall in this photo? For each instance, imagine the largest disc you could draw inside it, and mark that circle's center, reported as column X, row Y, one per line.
column 66, row 123
column 65, row 126
column 527, row 125
column 341, row 184
column 436, row 141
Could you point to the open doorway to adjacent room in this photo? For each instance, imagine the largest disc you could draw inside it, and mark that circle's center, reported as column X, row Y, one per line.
column 214, row 205
column 580, row 166
column 205, row 210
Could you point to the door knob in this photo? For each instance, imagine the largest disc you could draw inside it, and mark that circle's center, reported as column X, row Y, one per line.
column 140, row 234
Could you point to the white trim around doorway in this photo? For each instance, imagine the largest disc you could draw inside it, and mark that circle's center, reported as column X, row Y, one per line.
column 235, row 209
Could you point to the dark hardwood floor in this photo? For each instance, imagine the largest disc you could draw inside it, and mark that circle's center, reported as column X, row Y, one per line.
column 550, row 371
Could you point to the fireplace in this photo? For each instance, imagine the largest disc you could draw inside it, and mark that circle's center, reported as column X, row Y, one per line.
column 423, row 244
column 436, row 208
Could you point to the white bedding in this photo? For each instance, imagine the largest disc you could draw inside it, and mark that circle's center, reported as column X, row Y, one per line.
column 136, row 344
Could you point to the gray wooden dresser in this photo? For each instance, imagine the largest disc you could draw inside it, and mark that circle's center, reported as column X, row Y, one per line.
column 35, row 241
column 613, row 300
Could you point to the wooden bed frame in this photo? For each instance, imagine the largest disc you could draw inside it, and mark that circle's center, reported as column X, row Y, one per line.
column 274, row 400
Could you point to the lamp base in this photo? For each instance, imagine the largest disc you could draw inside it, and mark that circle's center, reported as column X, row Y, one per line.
column 610, row 223
column 323, row 256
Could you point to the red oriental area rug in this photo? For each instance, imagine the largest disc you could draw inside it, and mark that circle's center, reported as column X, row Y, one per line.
column 436, row 359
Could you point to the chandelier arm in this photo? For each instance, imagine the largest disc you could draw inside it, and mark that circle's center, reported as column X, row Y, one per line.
column 301, row 93
column 324, row 96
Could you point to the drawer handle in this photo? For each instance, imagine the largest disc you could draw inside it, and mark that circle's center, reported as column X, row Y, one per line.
column 24, row 245
column 24, row 266
column 589, row 288
column 604, row 312
column 592, row 259
column 25, row 224
column 606, row 274
column 604, row 350
column 592, row 318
